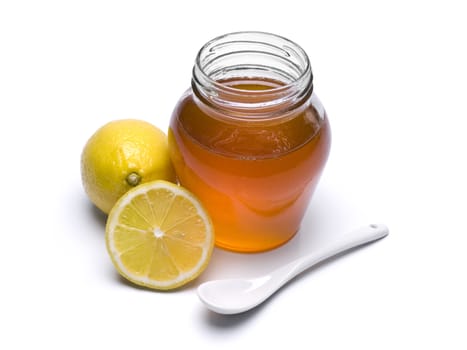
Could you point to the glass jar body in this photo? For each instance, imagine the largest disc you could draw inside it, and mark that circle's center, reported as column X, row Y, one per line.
column 253, row 164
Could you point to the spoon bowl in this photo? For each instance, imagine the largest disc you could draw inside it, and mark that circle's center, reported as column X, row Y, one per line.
column 233, row 296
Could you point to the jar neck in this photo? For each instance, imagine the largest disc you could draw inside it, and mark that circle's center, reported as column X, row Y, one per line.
column 252, row 75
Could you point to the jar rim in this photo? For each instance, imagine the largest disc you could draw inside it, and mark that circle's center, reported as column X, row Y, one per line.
column 288, row 48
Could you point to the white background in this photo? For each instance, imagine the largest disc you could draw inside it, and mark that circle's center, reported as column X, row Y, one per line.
column 393, row 78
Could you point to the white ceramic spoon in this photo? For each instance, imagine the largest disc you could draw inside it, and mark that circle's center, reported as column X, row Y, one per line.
column 233, row 296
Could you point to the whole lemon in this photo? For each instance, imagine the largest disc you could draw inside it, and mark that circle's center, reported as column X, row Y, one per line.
column 120, row 155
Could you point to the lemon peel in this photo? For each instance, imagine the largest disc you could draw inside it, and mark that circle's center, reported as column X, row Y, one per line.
column 123, row 154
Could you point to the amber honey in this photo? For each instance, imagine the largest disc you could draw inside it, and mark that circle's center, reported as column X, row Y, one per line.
column 252, row 163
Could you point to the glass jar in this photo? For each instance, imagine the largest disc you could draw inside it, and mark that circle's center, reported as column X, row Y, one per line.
column 250, row 138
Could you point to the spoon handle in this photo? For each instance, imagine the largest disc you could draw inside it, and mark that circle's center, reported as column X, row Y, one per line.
column 358, row 237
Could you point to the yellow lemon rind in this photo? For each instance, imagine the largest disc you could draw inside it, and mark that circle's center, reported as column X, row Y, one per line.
column 121, row 155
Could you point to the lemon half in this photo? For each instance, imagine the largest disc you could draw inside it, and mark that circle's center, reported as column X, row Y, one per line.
column 158, row 235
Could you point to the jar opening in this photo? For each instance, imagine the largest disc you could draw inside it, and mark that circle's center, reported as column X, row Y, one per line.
column 248, row 71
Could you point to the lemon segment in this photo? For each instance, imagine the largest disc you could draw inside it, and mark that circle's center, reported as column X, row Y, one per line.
column 158, row 235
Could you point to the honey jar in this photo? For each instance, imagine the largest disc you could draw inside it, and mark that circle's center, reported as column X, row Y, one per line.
column 250, row 138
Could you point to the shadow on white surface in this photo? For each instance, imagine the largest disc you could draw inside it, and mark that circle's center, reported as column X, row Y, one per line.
column 220, row 322
column 97, row 215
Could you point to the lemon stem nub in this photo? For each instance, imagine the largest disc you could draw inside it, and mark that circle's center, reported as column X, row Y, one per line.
column 133, row 179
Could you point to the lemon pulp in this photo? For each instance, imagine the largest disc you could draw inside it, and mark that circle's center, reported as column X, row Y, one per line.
column 159, row 235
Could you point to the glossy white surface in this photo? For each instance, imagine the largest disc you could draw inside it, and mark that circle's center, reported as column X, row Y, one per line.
column 392, row 76
column 234, row 296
